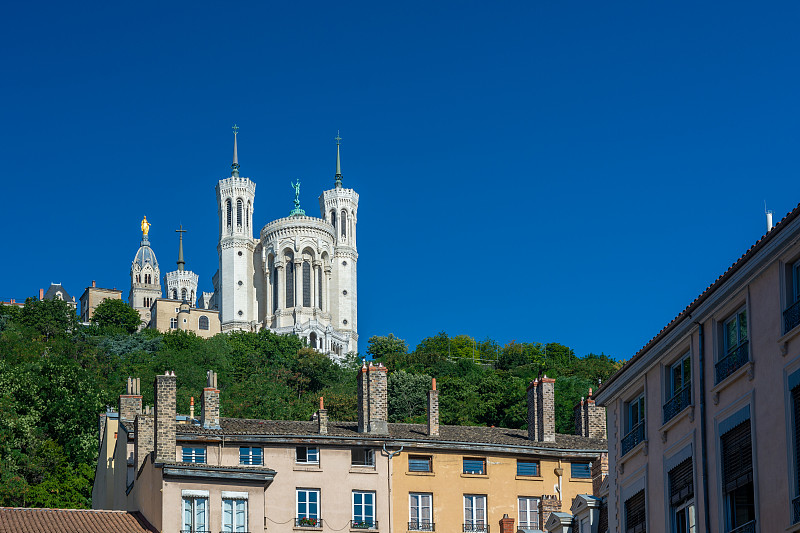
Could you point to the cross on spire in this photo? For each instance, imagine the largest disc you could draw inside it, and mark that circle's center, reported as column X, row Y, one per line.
column 181, row 262
column 235, row 165
column 338, row 161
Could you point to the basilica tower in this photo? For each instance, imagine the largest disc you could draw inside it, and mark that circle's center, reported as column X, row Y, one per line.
column 235, row 294
column 181, row 284
column 145, row 276
column 339, row 207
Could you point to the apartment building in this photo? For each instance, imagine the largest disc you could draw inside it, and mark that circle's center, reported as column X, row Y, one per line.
column 685, row 411
column 212, row 473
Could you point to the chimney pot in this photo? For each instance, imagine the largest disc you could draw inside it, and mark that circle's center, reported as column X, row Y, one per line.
column 41, row 294
column 93, row 284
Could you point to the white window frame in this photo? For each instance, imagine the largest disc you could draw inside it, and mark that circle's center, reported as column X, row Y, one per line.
column 307, row 454
column 237, row 506
column 691, row 516
column 308, row 513
column 726, row 349
column 529, row 516
column 418, row 504
column 472, row 508
column 364, row 517
column 252, row 456
column 198, row 506
column 369, row 458
column 680, row 363
column 194, row 455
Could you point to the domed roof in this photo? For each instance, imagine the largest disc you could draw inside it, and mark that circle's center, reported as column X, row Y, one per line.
column 145, row 255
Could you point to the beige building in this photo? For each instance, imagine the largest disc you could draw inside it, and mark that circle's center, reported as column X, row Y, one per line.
column 220, row 474
column 94, row 296
column 167, row 315
column 684, row 411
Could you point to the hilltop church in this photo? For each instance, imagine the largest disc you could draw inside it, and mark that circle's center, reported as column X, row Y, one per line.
column 298, row 275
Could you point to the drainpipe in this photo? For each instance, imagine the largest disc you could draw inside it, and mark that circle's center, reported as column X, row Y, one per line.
column 389, row 456
column 703, row 443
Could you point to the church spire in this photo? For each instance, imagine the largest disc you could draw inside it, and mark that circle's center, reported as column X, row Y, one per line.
column 180, row 232
column 235, row 165
column 338, row 162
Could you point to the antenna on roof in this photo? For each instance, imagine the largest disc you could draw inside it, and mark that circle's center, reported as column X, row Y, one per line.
column 768, row 212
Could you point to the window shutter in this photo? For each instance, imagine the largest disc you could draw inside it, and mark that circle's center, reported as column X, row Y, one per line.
column 796, row 402
column 635, row 520
column 737, row 457
column 681, row 483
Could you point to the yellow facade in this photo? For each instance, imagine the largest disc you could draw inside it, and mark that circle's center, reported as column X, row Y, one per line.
column 448, row 484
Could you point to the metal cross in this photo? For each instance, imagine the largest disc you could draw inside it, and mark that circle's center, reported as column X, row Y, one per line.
column 235, row 129
column 180, row 230
column 338, row 139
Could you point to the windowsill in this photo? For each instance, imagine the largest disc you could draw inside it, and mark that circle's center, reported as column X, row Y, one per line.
column 789, row 335
column 479, row 476
column 735, row 375
column 675, row 419
column 362, row 529
column 307, row 528
column 529, row 478
column 793, row 528
column 634, row 451
column 307, row 468
column 420, row 474
column 363, row 470
column 580, row 480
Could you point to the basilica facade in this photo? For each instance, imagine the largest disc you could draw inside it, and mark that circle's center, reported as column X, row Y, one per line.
column 295, row 275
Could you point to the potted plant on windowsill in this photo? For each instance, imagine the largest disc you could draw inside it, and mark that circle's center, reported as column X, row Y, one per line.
column 362, row 524
column 308, row 522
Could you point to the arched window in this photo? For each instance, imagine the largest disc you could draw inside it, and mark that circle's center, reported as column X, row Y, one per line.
column 274, row 289
column 202, row 323
column 319, row 287
column 239, row 213
column 229, row 210
column 306, row 284
column 333, row 221
column 174, row 294
column 138, row 278
column 289, row 284
column 173, row 323
column 249, row 214
column 344, row 224
column 191, row 297
column 183, row 294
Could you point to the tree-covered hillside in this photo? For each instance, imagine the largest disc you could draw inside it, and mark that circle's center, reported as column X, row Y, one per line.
column 56, row 376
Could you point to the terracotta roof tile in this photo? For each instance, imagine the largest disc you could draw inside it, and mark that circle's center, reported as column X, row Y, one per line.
column 25, row 520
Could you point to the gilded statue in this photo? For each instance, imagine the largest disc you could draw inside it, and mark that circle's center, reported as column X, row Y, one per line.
column 145, row 227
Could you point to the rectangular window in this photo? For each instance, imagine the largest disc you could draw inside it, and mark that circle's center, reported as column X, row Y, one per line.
column 681, row 497
column 678, row 387
column 796, row 422
column 528, row 512
column 527, row 468
column 635, row 519
column 307, row 455
column 581, row 470
column 737, row 476
column 734, row 345
column 194, row 455
column 234, row 515
column 420, row 517
column 364, row 510
column 791, row 316
column 308, row 508
column 250, row 456
column 362, row 457
column 419, row 463
column 475, row 513
column 195, row 515
column 634, row 424
column 474, row 465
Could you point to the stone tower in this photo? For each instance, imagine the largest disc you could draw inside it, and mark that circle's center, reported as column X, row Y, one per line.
column 181, row 284
column 145, row 276
column 339, row 207
column 234, row 283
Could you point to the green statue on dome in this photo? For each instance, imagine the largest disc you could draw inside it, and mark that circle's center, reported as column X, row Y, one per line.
column 296, row 211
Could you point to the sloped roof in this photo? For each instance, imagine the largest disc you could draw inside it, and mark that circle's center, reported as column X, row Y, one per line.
column 26, row 520
column 416, row 432
column 56, row 288
column 752, row 251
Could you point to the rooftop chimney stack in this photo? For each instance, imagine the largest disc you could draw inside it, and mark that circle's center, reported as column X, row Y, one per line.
column 164, row 433
column 590, row 419
column 433, row 410
column 143, row 428
column 372, row 401
column 130, row 403
column 507, row 524
column 210, row 410
column 41, row 294
column 541, row 410
column 769, row 220
column 322, row 417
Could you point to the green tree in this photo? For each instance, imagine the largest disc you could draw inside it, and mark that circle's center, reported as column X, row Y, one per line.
column 116, row 314
column 407, row 396
column 50, row 318
column 386, row 349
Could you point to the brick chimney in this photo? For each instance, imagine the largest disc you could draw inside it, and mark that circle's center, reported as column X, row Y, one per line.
column 507, row 524
column 590, row 419
column 322, row 417
column 433, row 411
column 210, row 410
column 542, row 410
column 94, row 284
column 164, row 431
column 372, row 401
column 130, row 403
column 548, row 504
column 599, row 473
column 145, row 439
column 41, row 294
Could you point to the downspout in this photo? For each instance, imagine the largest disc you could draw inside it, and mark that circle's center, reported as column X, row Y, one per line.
column 703, row 443
column 389, row 456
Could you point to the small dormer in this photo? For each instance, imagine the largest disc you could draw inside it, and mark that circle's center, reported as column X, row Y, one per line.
column 559, row 523
column 586, row 513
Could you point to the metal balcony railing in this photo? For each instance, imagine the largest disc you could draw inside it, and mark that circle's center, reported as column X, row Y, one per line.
column 634, row 437
column 791, row 317
column 421, row 526
column 732, row 362
column 677, row 403
column 305, row 521
column 796, row 510
column 749, row 527
column 476, row 528
column 363, row 524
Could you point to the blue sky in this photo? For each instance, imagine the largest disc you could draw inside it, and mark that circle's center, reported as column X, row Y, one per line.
column 571, row 172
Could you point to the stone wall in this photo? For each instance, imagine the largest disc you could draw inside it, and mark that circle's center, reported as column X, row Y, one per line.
column 164, row 439
column 548, row 504
column 145, row 439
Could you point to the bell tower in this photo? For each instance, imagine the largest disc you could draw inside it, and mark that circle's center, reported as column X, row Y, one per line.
column 234, row 289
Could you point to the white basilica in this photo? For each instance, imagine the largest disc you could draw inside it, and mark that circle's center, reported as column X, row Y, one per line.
column 298, row 275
